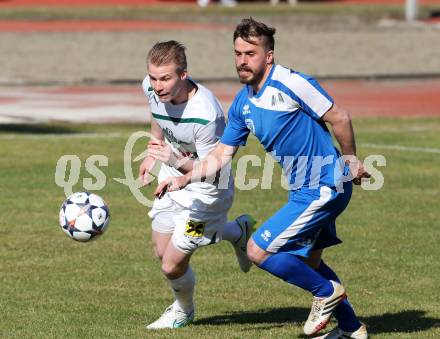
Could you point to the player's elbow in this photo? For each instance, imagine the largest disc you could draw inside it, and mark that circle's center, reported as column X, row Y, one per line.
column 342, row 117
column 337, row 116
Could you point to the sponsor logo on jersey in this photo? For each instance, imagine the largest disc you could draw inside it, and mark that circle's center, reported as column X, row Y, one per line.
column 266, row 235
column 178, row 144
column 170, row 136
column 194, row 228
column 277, row 99
column 246, row 109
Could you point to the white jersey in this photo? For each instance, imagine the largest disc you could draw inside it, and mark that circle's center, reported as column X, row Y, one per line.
column 192, row 128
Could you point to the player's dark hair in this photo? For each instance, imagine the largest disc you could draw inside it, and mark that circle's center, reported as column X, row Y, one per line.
column 163, row 53
column 249, row 28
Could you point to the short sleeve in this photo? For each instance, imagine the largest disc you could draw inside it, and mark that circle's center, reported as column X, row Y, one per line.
column 148, row 89
column 207, row 136
column 309, row 94
column 236, row 132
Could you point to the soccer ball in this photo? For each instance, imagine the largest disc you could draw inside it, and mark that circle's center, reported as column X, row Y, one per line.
column 84, row 216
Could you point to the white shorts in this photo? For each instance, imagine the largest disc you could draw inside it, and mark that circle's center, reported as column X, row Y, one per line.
column 191, row 229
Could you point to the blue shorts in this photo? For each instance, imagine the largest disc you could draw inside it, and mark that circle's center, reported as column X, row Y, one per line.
column 305, row 223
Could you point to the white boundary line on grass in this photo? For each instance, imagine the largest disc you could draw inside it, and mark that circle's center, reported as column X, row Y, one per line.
column 61, row 135
column 118, row 135
column 403, row 148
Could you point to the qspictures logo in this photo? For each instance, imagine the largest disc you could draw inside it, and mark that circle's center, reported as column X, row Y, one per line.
column 307, row 172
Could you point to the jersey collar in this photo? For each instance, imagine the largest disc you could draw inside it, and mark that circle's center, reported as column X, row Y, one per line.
column 266, row 82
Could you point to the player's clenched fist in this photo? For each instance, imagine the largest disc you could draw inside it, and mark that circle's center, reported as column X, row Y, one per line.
column 358, row 171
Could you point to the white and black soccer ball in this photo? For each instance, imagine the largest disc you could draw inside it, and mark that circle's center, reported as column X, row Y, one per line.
column 84, row 216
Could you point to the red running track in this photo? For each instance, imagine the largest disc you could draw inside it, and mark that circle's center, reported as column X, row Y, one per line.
column 387, row 98
column 28, row 3
column 370, row 98
column 105, row 26
column 76, row 3
column 361, row 98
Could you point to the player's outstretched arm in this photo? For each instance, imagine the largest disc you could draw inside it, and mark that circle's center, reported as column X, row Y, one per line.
column 342, row 127
column 218, row 158
column 340, row 121
column 148, row 163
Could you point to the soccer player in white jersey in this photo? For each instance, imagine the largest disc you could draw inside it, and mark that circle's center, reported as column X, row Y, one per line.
column 287, row 111
column 187, row 123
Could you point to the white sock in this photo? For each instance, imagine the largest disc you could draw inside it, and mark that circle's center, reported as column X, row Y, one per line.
column 231, row 232
column 183, row 290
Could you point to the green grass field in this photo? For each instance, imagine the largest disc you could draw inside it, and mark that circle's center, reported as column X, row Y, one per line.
column 53, row 287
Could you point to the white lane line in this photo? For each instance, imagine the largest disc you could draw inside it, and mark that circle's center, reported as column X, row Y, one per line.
column 119, row 135
column 403, row 148
column 62, row 136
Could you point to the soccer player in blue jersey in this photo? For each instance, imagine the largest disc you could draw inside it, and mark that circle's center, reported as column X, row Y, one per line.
column 287, row 111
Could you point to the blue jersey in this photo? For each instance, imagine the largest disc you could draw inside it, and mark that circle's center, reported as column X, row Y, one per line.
column 285, row 116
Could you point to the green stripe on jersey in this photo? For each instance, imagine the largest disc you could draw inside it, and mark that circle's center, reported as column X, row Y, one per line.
column 181, row 120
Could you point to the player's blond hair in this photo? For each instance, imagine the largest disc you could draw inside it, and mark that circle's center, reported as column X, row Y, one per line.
column 167, row 52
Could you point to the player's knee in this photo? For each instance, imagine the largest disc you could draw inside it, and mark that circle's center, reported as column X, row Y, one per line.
column 169, row 269
column 172, row 270
column 314, row 260
column 255, row 253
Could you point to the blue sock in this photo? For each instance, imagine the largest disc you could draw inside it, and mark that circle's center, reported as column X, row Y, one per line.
column 344, row 313
column 294, row 271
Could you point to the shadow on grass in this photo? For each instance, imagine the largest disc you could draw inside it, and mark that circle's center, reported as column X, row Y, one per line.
column 273, row 315
column 405, row 321
column 37, row 129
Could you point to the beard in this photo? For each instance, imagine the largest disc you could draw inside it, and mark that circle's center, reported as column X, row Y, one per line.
column 251, row 78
